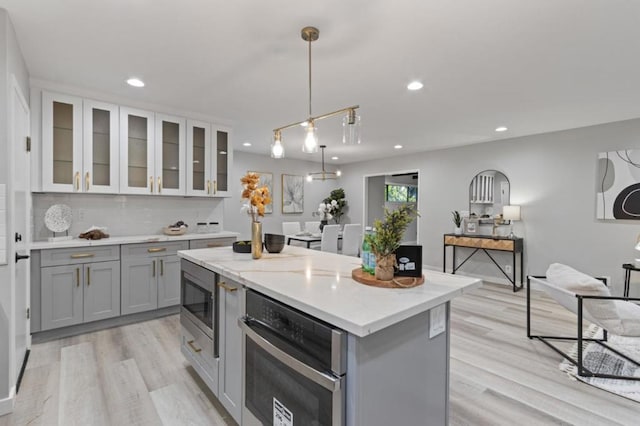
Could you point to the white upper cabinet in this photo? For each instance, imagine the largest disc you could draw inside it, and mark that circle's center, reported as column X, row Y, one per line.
column 100, row 148
column 137, row 153
column 170, row 155
column 221, row 159
column 79, row 145
column 61, row 143
column 199, row 158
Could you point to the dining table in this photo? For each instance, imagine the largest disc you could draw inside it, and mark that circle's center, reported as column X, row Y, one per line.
column 308, row 238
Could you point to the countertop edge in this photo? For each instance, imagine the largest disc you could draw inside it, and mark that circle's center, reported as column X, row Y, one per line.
column 133, row 239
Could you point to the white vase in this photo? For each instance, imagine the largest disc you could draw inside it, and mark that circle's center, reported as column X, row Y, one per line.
column 457, row 230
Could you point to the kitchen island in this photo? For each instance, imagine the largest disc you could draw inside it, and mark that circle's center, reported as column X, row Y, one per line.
column 397, row 340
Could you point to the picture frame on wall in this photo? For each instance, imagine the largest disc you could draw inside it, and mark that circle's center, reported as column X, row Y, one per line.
column 292, row 194
column 266, row 179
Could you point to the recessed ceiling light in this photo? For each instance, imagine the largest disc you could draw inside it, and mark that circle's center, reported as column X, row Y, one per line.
column 501, row 129
column 334, row 158
column 397, row 146
column 135, row 82
column 415, row 85
column 246, row 144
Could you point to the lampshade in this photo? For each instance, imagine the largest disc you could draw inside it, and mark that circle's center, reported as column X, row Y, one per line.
column 511, row 212
column 277, row 150
column 310, row 144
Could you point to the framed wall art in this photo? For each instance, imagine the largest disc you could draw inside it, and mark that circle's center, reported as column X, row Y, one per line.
column 266, row 179
column 292, row 194
column 618, row 185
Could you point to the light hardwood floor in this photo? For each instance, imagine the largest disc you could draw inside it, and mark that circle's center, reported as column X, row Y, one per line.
column 136, row 375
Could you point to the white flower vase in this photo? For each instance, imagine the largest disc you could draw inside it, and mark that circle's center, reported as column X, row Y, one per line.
column 457, row 230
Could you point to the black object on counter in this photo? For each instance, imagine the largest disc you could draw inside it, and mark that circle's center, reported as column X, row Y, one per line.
column 242, row 246
column 409, row 259
column 274, row 243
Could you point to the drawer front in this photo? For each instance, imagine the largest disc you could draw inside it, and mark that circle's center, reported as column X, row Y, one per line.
column 212, row 242
column 198, row 343
column 77, row 255
column 153, row 249
column 486, row 243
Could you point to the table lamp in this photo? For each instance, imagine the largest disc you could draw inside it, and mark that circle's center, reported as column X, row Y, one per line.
column 636, row 262
column 511, row 213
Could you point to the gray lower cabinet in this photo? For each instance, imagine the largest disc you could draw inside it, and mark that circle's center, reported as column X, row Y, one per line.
column 230, row 370
column 211, row 242
column 73, row 294
column 150, row 276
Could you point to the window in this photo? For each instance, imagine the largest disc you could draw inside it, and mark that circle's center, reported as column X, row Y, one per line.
column 401, row 193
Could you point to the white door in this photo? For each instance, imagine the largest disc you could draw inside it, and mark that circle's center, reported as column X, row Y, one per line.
column 20, row 232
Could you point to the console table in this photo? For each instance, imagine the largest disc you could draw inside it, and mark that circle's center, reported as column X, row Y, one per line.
column 628, row 267
column 487, row 243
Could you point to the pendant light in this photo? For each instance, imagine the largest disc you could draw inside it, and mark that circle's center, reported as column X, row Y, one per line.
column 350, row 123
column 323, row 175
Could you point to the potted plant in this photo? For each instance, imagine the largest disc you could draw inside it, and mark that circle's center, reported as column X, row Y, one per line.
column 338, row 203
column 257, row 198
column 457, row 221
column 387, row 237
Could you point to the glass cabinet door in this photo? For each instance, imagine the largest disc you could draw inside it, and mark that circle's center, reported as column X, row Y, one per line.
column 100, row 148
column 221, row 158
column 170, row 155
column 61, row 143
column 198, row 158
column 137, row 171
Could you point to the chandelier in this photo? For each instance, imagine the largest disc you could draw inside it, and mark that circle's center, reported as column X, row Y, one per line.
column 323, row 175
column 350, row 122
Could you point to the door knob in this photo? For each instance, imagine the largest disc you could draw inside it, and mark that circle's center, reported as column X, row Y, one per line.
column 18, row 237
column 21, row 256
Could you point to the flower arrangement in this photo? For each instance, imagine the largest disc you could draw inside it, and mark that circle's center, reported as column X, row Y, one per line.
column 257, row 197
column 327, row 210
column 338, row 202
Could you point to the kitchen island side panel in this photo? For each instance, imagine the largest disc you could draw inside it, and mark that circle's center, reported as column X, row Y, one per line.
column 399, row 376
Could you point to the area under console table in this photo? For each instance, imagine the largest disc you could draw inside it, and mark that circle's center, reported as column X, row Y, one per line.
column 486, row 243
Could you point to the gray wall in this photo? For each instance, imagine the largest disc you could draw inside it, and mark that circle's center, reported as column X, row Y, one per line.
column 553, row 178
column 11, row 63
column 314, row 193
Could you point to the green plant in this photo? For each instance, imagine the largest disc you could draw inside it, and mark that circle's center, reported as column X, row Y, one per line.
column 339, row 209
column 388, row 234
column 457, row 219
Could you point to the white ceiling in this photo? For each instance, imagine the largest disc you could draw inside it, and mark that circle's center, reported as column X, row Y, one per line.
column 533, row 66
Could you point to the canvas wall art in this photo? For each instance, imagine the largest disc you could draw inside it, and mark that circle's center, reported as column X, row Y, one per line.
column 292, row 194
column 266, row 179
column 618, row 185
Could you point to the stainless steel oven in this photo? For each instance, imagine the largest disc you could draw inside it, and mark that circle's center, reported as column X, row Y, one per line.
column 294, row 366
column 199, row 305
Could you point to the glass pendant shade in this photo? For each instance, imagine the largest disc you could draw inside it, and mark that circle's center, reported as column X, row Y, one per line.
column 277, row 149
column 310, row 145
column 351, row 128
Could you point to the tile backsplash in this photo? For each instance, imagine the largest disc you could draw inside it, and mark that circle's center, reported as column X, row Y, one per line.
column 126, row 214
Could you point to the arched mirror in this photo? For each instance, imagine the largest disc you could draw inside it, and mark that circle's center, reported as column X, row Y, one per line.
column 488, row 192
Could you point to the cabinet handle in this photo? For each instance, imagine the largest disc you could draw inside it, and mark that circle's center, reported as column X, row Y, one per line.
column 87, row 181
column 77, row 277
column 208, row 187
column 215, row 186
column 82, row 255
column 153, row 269
column 88, row 276
column 161, row 267
column 156, row 249
column 159, row 184
column 151, row 183
column 77, row 178
column 227, row 287
column 193, row 348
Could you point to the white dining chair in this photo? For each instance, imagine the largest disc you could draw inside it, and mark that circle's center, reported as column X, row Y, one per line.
column 351, row 239
column 329, row 240
column 313, row 227
column 290, row 228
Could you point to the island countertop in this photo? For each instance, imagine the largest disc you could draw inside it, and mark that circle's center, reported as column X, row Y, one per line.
column 320, row 284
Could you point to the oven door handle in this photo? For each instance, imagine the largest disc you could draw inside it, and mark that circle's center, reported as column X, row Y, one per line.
column 326, row 381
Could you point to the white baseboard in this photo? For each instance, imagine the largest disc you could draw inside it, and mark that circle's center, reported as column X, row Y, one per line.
column 6, row 405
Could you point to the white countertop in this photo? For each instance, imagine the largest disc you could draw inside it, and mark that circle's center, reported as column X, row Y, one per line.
column 320, row 284
column 132, row 239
